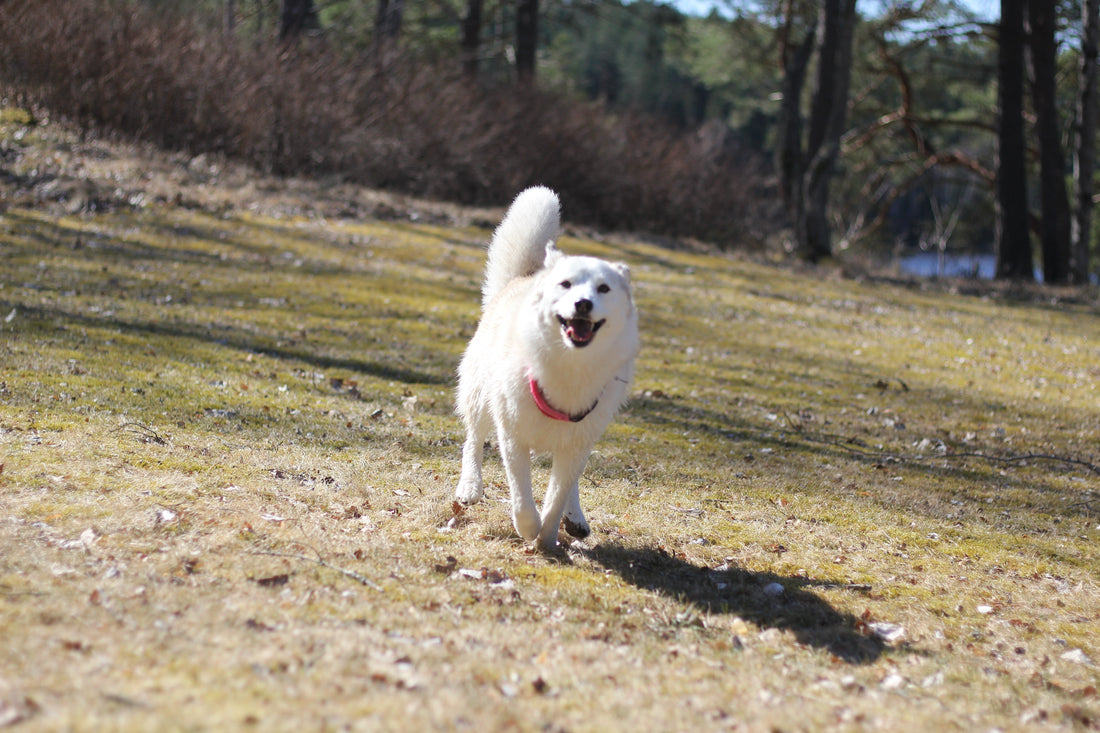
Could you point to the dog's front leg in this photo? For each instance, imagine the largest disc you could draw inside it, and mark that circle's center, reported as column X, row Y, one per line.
column 517, row 466
column 575, row 523
column 564, row 478
column 470, row 488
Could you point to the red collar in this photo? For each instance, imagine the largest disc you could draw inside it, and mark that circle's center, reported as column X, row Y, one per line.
column 549, row 410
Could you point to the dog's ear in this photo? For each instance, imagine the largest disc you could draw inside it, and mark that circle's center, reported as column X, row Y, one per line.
column 553, row 254
column 623, row 270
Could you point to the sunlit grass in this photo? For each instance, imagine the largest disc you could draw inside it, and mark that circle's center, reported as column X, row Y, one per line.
column 227, row 452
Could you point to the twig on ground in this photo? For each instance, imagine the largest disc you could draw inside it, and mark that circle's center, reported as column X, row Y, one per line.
column 143, row 432
column 1033, row 457
column 858, row 587
column 12, row 593
column 1087, row 504
column 358, row 577
column 910, row 458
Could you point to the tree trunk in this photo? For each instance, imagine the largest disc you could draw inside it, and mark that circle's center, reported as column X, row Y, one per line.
column 828, row 113
column 471, row 36
column 527, row 14
column 1012, row 241
column 387, row 24
column 788, row 147
column 1085, row 144
column 1053, row 197
column 296, row 17
column 230, row 20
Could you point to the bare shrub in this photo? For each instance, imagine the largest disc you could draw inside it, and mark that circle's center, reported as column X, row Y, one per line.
column 425, row 130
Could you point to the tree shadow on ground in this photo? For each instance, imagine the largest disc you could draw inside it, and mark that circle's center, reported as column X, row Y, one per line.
column 743, row 594
column 238, row 340
column 968, row 467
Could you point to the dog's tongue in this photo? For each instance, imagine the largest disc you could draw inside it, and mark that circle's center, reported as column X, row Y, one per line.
column 579, row 329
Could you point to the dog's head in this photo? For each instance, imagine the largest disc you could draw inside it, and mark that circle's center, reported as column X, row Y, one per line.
column 589, row 298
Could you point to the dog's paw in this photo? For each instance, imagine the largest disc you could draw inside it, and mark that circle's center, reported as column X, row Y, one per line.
column 578, row 530
column 548, row 543
column 527, row 524
column 469, row 492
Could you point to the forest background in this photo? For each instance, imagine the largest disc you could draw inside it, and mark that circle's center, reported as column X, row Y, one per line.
column 822, row 129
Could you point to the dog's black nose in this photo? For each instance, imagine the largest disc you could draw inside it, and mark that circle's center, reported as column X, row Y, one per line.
column 583, row 307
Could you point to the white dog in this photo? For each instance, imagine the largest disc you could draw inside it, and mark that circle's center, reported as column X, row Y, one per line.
column 548, row 367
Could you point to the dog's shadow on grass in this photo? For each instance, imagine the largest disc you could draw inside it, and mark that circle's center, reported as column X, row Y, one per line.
column 744, row 594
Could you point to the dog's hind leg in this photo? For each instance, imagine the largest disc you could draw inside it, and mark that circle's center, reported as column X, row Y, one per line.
column 517, row 465
column 564, row 477
column 470, row 488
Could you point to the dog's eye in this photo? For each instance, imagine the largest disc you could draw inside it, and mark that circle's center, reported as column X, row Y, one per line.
column 565, row 284
column 604, row 288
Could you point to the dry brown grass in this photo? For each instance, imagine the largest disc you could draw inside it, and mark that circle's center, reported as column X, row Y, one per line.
column 425, row 130
column 228, row 450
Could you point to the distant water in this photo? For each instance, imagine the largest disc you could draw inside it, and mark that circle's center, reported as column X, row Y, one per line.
column 927, row 264
column 981, row 267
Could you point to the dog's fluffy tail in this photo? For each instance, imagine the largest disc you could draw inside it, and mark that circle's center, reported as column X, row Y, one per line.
column 518, row 247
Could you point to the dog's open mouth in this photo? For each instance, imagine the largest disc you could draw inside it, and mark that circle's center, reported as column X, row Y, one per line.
column 580, row 331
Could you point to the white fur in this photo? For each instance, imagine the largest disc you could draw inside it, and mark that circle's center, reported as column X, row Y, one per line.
column 523, row 299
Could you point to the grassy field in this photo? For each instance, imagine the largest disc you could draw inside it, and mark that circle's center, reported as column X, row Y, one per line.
column 228, row 451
